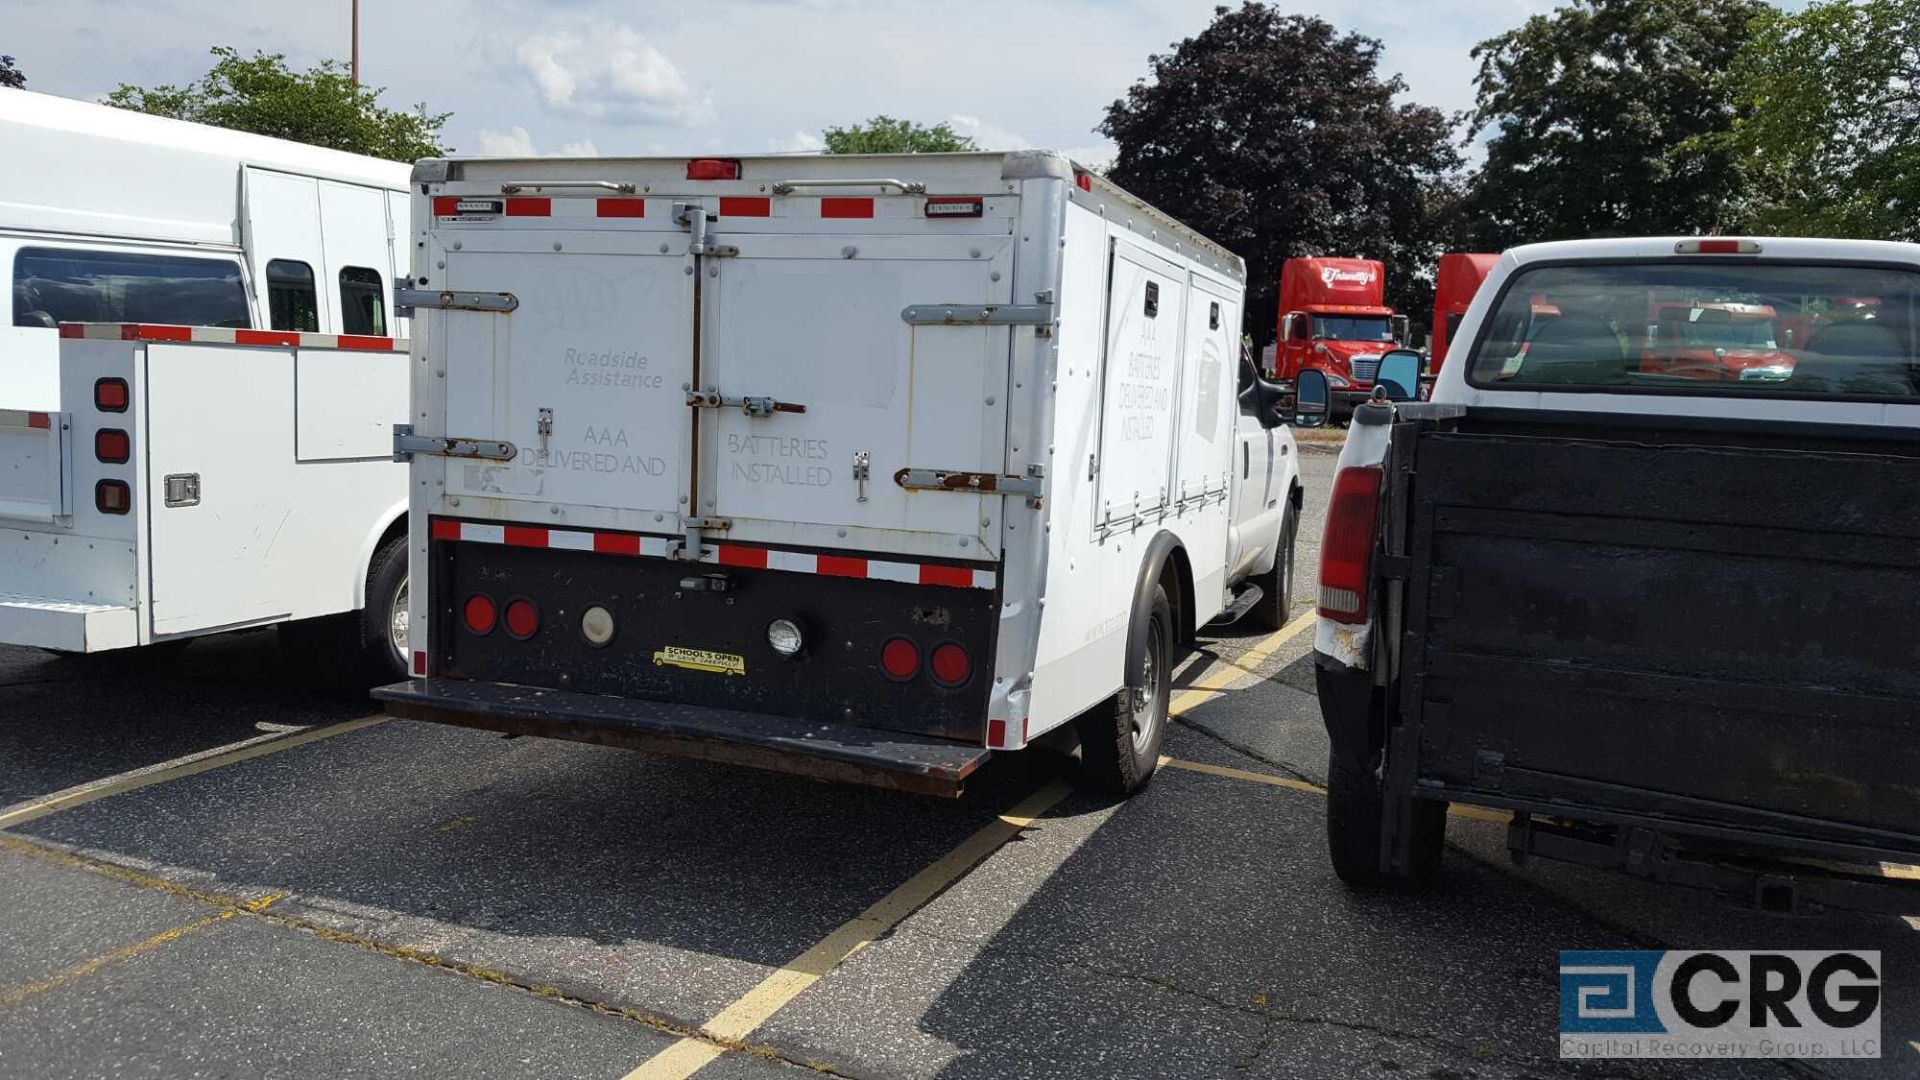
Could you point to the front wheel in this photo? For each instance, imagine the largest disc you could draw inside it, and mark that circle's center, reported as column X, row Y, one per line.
column 1120, row 741
column 1276, row 586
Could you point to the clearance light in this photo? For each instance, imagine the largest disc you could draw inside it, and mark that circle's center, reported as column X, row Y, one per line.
column 713, row 169
column 950, row 664
column 110, row 395
column 481, row 614
column 1717, row 246
column 112, row 446
column 112, row 497
column 949, row 206
column 900, row 659
column 522, row 619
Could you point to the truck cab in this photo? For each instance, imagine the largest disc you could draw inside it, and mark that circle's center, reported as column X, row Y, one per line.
column 1334, row 319
column 1454, row 286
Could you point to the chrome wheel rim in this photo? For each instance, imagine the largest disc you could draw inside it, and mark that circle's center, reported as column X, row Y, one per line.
column 1146, row 694
column 397, row 618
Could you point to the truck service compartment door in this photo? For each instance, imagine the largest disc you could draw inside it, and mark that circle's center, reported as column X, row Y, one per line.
column 586, row 378
column 1139, row 379
column 816, row 321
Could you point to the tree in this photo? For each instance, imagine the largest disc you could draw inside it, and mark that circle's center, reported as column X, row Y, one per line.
column 885, row 135
column 321, row 106
column 1828, row 123
column 10, row 75
column 1603, row 115
column 1276, row 136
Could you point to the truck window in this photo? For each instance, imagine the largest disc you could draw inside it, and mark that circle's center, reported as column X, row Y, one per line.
column 56, row 285
column 1771, row 329
column 1352, row 328
column 363, row 305
column 292, row 303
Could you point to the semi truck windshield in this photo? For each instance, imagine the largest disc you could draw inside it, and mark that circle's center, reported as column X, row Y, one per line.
column 1775, row 329
column 1352, row 328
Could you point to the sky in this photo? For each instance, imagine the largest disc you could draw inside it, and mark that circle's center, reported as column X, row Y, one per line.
column 593, row 77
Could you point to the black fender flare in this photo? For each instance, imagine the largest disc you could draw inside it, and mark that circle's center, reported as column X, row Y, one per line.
column 1160, row 550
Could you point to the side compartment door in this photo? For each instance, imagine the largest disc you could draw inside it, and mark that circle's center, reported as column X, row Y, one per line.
column 212, row 551
column 282, row 224
column 1212, row 455
column 586, row 378
column 1138, row 380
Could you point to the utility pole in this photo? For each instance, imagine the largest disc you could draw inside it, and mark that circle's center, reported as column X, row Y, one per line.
column 356, row 42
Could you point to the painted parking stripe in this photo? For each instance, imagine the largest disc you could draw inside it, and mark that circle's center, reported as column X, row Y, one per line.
column 191, row 765
column 733, row 1024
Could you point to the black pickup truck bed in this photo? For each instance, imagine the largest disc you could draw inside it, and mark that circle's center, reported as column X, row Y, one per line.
column 1681, row 647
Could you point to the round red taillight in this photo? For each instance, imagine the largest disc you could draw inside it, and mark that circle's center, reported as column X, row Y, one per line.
column 480, row 614
column 900, row 658
column 950, row 664
column 522, row 618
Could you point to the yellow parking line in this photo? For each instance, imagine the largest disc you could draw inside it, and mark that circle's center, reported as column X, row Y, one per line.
column 188, row 766
column 1209, row 685
column 87, row 967
column 734, row 1023
column 1243, row 774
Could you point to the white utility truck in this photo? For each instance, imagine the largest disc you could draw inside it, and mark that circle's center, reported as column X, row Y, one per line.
column 857, row 467
column 239, row 294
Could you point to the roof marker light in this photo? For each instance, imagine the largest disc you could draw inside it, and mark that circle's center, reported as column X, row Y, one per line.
column 1717, row 246
column 713, row 169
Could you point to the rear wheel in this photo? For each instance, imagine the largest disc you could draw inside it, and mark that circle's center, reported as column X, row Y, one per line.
column 1120, row 741
column 1355, row 813
column 365, row 647
column 1276, row 586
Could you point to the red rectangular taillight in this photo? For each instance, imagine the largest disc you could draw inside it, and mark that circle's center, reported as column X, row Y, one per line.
column 112, row 446
column 112, row 497
column 713, row 169
column 110, row 395
column 1346, row 548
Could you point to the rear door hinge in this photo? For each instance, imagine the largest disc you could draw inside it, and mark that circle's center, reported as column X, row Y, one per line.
column 405, row 301
column 750, row 405
column 406, row 444
column 696, row 218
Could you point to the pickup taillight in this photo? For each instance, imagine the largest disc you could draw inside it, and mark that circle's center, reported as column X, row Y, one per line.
column 1346, row 548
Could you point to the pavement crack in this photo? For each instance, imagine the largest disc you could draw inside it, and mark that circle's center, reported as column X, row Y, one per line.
column 1292, row 771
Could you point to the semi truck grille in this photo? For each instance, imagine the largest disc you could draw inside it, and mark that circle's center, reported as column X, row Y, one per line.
column 1365, row 368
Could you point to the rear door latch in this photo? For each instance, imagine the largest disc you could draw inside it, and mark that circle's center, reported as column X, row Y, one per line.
column 752, row 406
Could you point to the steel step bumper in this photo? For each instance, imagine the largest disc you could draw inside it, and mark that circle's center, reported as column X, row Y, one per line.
column 916, row 763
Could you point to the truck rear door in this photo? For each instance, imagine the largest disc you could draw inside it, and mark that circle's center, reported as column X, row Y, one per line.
column 770, row 387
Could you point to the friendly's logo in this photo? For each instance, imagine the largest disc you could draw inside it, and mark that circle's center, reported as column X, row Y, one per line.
column 1331, row 276
column 1653, row 1003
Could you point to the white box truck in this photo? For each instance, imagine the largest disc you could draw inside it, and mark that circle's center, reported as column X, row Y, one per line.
column 858, row 467
column 239, row 296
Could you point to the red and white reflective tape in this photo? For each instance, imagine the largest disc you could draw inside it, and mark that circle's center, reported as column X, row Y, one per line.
column 17, row 418
column 227, row 335
column 446, row 207
column 797, row 562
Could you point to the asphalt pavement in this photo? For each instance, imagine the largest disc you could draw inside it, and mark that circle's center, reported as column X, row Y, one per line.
column 189, row 894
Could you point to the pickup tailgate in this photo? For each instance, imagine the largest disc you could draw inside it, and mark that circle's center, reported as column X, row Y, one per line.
column 1714, row 625
column 768, row 385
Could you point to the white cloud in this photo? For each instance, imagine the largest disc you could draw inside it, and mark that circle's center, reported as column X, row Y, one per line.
column 516, row 142
column 989, row 136
column 610, row 72
column 800, row 142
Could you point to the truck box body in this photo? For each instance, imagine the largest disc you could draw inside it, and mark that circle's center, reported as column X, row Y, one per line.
column 1454, row 285
column 1334, row 318
column 895, row 401
column 199, row 479
column 1668, row 620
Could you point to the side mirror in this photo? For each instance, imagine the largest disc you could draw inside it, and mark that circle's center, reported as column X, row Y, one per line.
column 1294, row 326
column 1399, row 375
column 1311, row 398
column 1400, row 331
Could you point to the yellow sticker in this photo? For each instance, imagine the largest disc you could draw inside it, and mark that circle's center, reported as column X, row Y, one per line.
column 718, row 663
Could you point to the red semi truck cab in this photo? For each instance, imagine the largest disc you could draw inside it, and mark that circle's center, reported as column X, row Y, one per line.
column 1459, row 278
column 1333, row 317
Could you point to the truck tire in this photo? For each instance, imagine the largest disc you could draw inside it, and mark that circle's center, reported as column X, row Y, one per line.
column 356, row 649
column 1354, row 812
column 1120, row 741
column 1276, row 586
